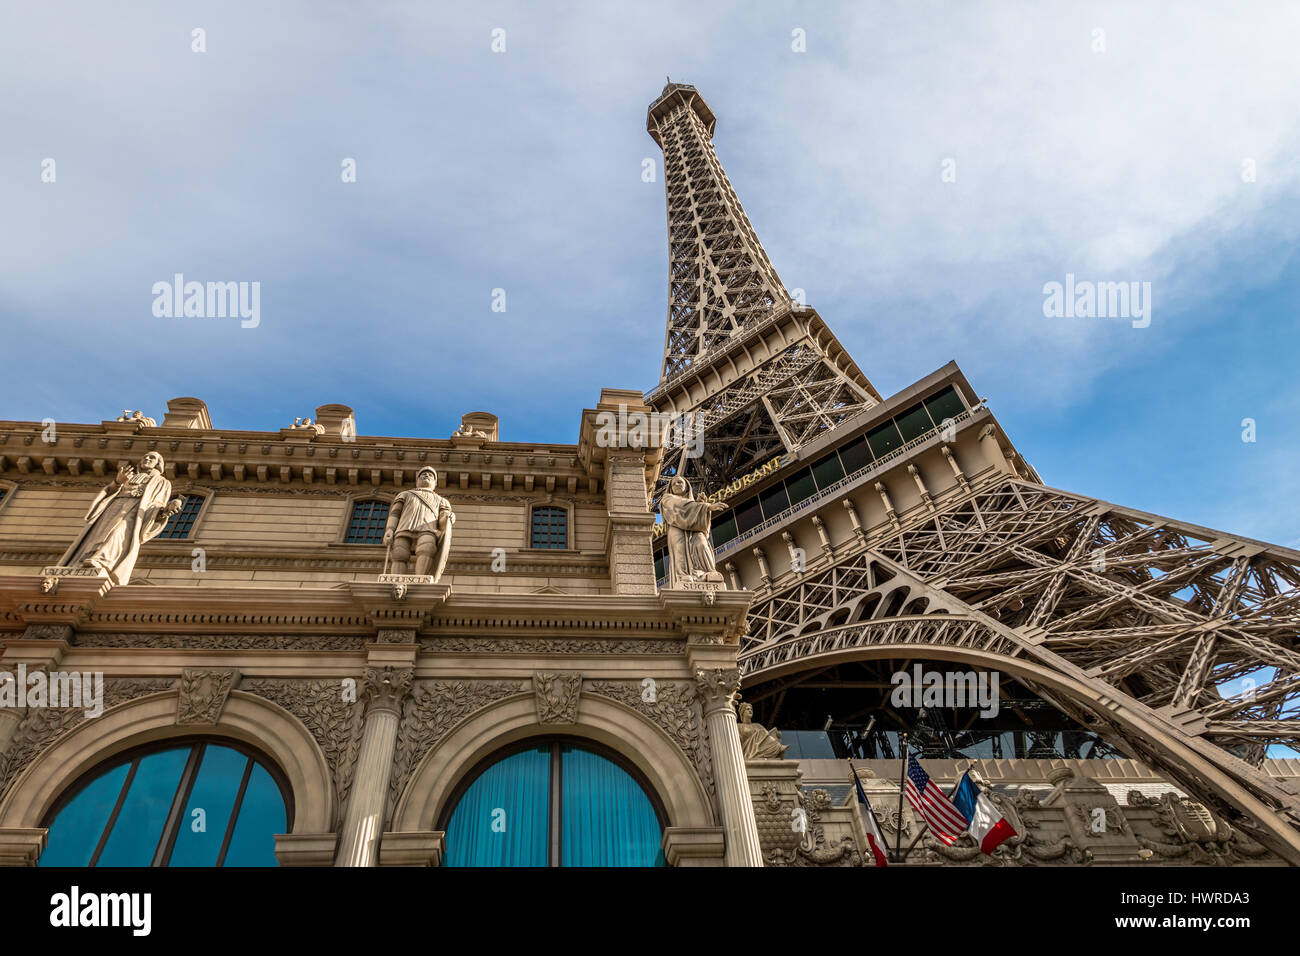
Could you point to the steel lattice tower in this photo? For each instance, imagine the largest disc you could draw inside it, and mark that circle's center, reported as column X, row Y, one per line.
column 949, row 545
column 760, row 373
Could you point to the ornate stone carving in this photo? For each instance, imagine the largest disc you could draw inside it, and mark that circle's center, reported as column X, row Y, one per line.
column 756, row 741
column 674, row 707
column 690, row 555
column 419, row 522
column 814, row 849
column 386, row 687
column 557, row 695
column 1191, row 832
column 718, row 686
column 530, row 645
column 332, row 717
column 42, row 726
column 48, row 632
column 127, row 512
column 203, row 694
column 430, row 713
column 224, row 642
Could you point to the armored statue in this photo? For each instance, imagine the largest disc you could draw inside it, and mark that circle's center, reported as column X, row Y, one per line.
column 419, row 522
column 130, row 510
column 689, row 552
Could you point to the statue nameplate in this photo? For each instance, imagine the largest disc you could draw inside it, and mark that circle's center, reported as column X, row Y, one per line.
column 407, row 579
column 63, row 571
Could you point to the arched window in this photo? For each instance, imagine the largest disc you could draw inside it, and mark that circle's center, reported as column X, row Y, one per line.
column 196, row 803
column 181, row 523
column 550, row 527
column 560, row 803
column 366, row 526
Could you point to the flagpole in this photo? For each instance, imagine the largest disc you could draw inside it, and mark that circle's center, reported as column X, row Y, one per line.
column 902, row 785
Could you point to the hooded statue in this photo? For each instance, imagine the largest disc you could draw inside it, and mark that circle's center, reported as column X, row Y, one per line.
column 130, row 510
column 690, row 554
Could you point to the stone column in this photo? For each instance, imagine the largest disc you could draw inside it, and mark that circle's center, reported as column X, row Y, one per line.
column 385, row 688
column 718, row 688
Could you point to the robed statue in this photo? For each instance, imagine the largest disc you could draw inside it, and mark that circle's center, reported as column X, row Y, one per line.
column 690, row 554
column 756, row 741
column 127, row 512
column 419, row 524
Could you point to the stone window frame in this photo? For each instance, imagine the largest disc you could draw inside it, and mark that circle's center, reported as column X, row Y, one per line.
column 207, row 494
column 10, row 488
column 570, row 532
column 350, row 503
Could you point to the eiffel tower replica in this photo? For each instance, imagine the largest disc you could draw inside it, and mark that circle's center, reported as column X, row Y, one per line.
column 910, row 528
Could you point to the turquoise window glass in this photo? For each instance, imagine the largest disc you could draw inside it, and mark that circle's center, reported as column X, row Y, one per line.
column 606, row 818
column 215, row 789
column 139, row 825
column 128, row 810
column 261, row 816
column 75, row 832
column 503, row 819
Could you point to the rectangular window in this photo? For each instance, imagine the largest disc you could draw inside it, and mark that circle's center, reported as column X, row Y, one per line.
column 660, row 570
column 855, row 455
column 367, row 523
column 884, row 439
column 800, row 486
column 774, row 500
column 181, row 523
column 945, row 404
column 914, row 422
column 749, row 515
column 724, row 528
column 550, row 528
column 828, row 470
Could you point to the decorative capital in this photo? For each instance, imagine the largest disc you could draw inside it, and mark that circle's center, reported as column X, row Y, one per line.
column 203, row 694
column 718, row 686
column 556, row 693
column 385, row 687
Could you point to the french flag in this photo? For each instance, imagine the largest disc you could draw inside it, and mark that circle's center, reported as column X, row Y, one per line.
column 987, row 825
column 875, row 838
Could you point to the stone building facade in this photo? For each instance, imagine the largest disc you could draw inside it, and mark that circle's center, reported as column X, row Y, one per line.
column 264, row 627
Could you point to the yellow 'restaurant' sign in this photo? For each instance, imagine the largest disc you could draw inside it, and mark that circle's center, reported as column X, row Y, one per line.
column 741, row 483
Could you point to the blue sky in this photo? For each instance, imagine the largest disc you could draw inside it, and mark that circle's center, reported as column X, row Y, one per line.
column 522, row 171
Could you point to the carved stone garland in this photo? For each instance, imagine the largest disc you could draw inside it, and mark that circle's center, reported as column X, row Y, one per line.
column 334, row 721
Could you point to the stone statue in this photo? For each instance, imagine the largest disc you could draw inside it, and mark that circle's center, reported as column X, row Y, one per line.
column 469, row 431
column 140, row 419
column 419, row 521
column 689, row 551
column 129, row 511
column 756, row 741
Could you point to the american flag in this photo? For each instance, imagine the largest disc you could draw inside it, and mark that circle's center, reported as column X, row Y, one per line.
column 928, row 799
